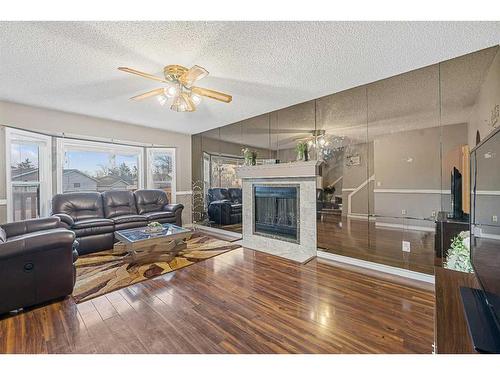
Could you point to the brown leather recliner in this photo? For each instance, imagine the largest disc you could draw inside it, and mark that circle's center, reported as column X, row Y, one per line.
column 94, row 217
column 36, row 263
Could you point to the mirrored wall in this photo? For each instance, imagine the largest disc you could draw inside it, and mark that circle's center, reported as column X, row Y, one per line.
column 395, row 159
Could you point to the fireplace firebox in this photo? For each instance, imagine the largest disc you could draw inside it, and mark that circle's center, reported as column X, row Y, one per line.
column 276, row 211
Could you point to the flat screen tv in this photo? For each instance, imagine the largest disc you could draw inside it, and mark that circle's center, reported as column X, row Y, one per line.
column 482, row 306
column 456, row 194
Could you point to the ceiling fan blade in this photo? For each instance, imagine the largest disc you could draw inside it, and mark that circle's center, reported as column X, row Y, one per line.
column 212, row 94
column 142, row 74
column 192, row 75
column 148, row 94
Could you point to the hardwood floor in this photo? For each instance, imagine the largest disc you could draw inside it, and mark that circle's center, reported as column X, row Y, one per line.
column 363, row 240
column 240, row 302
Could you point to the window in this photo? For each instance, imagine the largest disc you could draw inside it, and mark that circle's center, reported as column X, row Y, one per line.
column 222, row 170
column 29, row 182
column 161, row 170
column 96, row 166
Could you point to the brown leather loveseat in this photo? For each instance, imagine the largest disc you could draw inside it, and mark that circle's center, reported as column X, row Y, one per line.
column 36, row 262
column 94, row 217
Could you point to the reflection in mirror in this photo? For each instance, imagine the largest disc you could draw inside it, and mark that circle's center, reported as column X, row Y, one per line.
column 403, row 127
column 294, row 125
column 342, row 195
column 395, row 174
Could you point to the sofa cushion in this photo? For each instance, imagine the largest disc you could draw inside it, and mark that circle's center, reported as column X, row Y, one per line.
column 91, row 223
column 150, row 200
column 3, row 236
column 129, row 219
column 153, row 216
column 118, row 203
column 80, row 206
column 91, row 227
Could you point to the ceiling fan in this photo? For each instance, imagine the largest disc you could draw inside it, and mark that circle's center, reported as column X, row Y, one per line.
column 185, row 97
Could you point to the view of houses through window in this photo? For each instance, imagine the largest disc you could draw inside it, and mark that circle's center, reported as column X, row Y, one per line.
column 99, row 171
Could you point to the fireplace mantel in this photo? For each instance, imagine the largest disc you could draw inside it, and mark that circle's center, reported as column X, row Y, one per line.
column 280, row 170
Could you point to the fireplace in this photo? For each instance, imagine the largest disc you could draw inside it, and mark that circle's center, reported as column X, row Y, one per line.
column 276, row 211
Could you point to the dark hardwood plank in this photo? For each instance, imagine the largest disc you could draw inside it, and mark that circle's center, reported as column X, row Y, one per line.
column 243, row 301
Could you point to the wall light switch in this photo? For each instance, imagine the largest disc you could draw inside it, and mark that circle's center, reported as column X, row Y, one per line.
column 494, row 218
column 379, row 183
column 433, row 214
column 403, row 212
column 406, row 246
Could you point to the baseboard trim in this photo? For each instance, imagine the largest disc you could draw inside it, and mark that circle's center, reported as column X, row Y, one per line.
column 361, row 217
column 405, row 227
column 377, row 267
column 223, row 232
column 187, row 192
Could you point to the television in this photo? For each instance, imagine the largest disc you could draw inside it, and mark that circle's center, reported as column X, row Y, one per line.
column 482, row 306
column 456, row 194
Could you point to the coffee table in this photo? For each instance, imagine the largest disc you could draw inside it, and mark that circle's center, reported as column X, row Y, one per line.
column 142, row 246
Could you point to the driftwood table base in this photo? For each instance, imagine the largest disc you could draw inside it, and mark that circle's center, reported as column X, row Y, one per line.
column 147, row 252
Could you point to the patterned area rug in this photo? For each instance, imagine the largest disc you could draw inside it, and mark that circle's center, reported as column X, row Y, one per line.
column 105, row 271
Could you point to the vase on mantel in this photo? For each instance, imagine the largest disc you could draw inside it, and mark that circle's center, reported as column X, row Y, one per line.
column 250, row 157
column 302, row 151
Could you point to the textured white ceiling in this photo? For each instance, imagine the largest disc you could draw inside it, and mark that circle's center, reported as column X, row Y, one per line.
column 71, row 66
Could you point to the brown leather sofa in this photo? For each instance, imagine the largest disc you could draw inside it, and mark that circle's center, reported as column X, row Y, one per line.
column 94, row 217
column 36, row 262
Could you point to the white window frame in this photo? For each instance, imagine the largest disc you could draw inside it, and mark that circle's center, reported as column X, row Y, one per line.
column 65, row 144
column 149, row 174
column 44, row 143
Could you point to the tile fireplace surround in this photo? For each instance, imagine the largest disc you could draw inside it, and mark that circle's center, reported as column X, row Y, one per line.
column 299, row 174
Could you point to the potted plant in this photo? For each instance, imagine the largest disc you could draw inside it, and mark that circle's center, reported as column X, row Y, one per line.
column 250, row 156
column 302, row 151
column 154, row 227
column 458, row 257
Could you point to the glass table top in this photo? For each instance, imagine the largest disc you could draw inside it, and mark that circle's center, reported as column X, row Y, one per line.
column 141, row 234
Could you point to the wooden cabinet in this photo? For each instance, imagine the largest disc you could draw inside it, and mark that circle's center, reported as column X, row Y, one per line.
column 452, row 335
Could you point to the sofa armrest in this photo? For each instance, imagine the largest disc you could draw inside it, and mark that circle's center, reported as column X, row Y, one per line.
column 173, row 207
column 177, row 210
column 31, row 244
column 66, row 220
column 28, row 226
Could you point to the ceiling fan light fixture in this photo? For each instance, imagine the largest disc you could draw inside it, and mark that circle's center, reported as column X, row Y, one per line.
column 196, row 98
column 162, row 99
column 171, row 91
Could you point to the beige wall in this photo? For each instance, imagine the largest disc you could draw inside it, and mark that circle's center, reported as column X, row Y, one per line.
column 487, row 99
column 58, row 123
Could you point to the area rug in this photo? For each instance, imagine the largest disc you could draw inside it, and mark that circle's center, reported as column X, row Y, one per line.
column 105, row 271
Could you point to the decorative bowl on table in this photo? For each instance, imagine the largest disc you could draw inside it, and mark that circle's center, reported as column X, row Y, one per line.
column 154, row 227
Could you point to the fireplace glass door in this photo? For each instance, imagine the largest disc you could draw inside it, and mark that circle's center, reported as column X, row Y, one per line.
column 276, row 212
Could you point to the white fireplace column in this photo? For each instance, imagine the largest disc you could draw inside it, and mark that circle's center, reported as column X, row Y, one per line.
column 301, row 174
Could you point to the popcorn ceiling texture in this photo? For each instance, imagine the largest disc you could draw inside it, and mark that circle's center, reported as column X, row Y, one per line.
column 71, row 66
